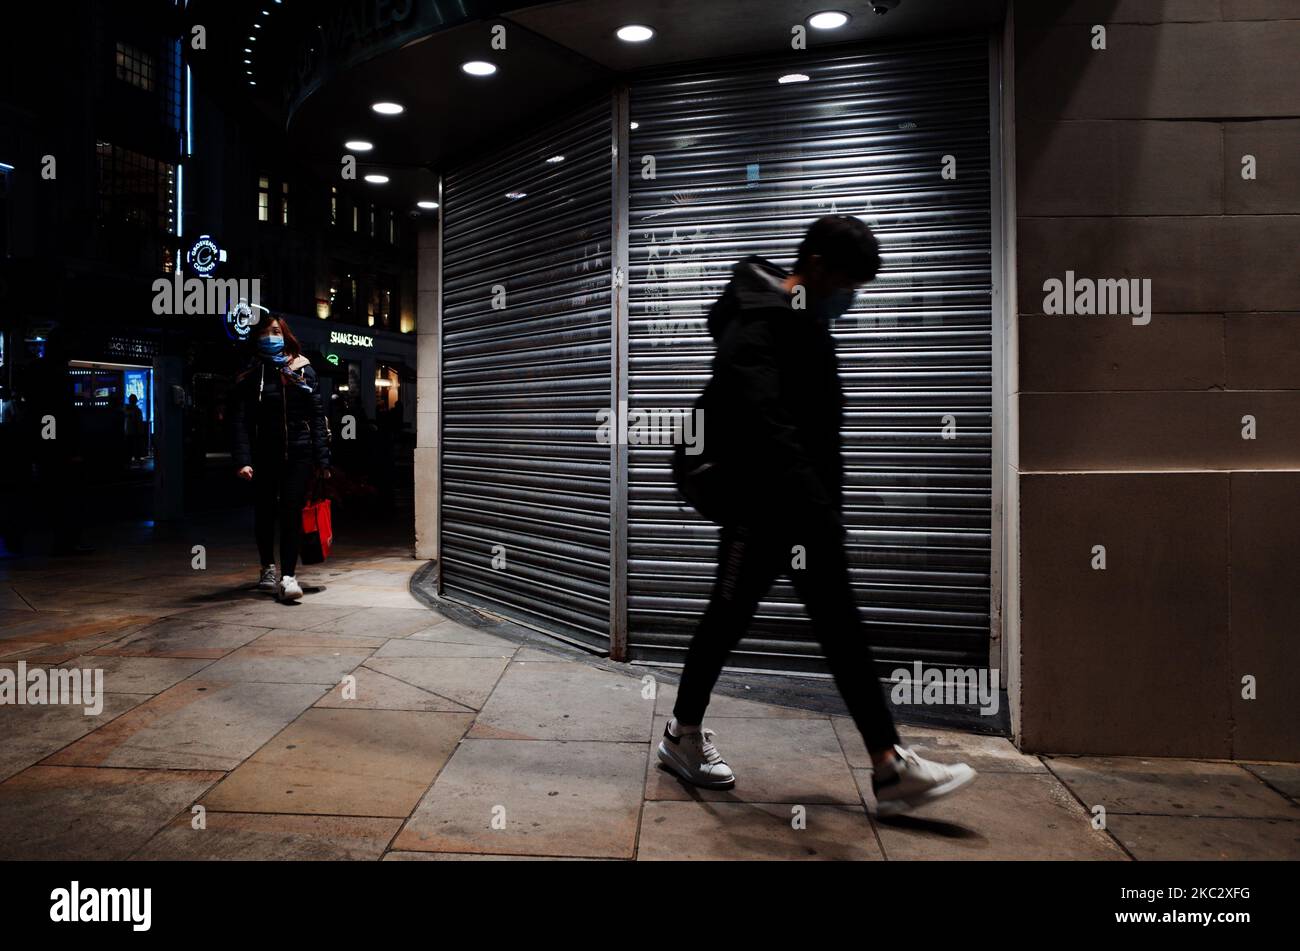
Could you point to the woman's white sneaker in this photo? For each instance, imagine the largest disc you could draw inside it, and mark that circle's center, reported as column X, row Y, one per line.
column 910, row 781
column 694, row 758
column 289, row 589
column 270, row 579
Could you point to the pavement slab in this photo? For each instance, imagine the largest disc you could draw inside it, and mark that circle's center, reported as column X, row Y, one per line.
column 238, row 836
column 743, row 831
column 1190, row 838
column 281, row 664
column 148, row 675
column 520, row 797
column 1171, row 787
column 183, row 636
column 565, row 701
column 198, row 724
column 465, row 680
column 28, row 734
column 377, row 621
column 1013, row 816
column 985, row 754
column 59, row 812
column 376, row 691
column 344, row 763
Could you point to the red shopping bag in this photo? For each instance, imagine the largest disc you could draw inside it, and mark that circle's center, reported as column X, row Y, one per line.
column 317, row 532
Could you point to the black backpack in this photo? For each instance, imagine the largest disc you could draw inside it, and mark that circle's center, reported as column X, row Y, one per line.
column 703, row 480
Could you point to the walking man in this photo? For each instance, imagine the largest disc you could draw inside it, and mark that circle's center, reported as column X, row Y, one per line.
column 774, row 407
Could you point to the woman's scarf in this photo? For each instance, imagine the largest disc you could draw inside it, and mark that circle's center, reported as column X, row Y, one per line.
column 281, row 361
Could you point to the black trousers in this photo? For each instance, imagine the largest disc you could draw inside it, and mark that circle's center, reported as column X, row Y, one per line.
column 748, row 563
column 279, row 491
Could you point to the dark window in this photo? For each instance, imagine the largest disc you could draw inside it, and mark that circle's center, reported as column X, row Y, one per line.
column 135, row 188
column 334, row 204
column 264, row 198
column 4, row 212
column 135, row 66
column 284, row 203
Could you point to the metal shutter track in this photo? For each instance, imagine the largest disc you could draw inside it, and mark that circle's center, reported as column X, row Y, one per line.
column 521, row 467
column 743, row 166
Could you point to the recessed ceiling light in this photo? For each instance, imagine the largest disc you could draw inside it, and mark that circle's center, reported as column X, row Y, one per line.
column 793, row 78
column 429, row 205
column 257, row 26
column 478, row 67
column 266, row 13
column 253, row 38
column 377, row 179
column 634, row 33
column 388, row 108
column 251, row 83
column 247, row 50
column 248, row 62
column 635, row 125
column 555, row 160
column 515, row 196
column 828, row 20
column 358, row 145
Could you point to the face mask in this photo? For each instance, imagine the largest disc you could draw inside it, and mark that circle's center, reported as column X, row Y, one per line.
column 270, row 345
column 834, row 304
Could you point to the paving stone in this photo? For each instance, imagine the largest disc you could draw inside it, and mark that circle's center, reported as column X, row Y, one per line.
column 986, row 754
column 371, row 597
column 555, row 798
column 408, row 647
column 376, row 691
column 565, row 701
column 1183, row 838
column 267, row 612
column 241, row 836
column 274, row 664
column 28, row 734
column 183, row 637
column 147, row 675
column 283, row 638
column 720, row 705
column 472, row 857
column 1285, row 777
column 1171, row 787
column 380, row 621
column 450, row 632
column 54, row 812
column 1015, row 816
column 741, row 831
column 198, row 724
column 793, row 760
column 465, row 680
column 344, row 762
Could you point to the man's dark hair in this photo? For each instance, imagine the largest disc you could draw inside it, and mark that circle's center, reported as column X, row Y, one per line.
column 845, row 244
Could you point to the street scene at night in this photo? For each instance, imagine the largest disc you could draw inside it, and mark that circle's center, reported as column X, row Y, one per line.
column 649, row 434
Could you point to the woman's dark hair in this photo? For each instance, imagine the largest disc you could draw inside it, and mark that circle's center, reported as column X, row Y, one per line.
column 845, row 245
column 291, row 344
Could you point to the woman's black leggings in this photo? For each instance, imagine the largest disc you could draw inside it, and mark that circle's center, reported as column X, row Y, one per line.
column 279, row 491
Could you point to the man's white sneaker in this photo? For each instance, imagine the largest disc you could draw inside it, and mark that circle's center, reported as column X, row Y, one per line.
column 270, row 579
column 288, row 589
column 910, row 781
column 694, row 758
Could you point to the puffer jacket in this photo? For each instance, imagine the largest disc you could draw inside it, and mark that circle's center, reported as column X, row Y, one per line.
column 305, row 433
column 775, row 403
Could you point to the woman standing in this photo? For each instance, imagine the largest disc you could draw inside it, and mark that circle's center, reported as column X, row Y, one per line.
column 281, row 434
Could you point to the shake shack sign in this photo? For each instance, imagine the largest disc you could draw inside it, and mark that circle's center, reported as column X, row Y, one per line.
column 349, row 32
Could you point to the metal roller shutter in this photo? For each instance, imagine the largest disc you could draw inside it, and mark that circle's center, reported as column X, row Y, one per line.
column 523, row 477
column 743, row 166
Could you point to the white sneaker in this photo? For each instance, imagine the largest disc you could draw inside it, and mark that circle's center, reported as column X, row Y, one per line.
column 694, row 758
column 910, row 781
column 270, row 579
column 288, row 589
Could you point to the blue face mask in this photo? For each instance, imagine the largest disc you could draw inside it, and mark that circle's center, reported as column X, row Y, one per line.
column 270, row 345
column 834, row 304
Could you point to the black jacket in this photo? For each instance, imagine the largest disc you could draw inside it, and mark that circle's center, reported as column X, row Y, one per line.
column 774, row 404
column 304, row 432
